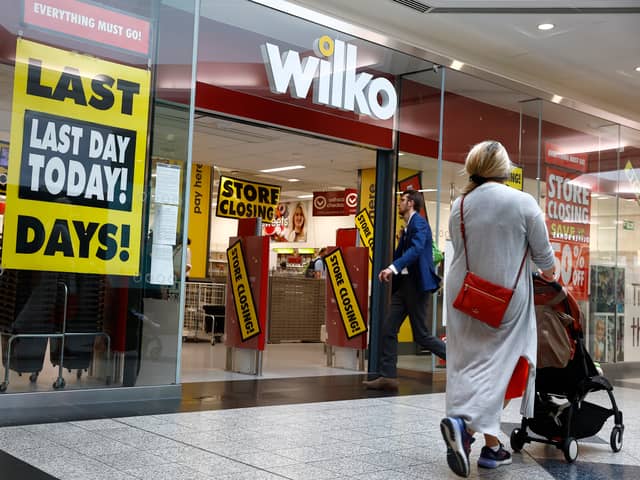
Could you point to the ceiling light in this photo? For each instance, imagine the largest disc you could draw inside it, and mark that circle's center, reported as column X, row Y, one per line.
column 293, row 180
column 282, row 169
column 546, row 26
column 637, row 69
column 457, row 65
column 305, row 196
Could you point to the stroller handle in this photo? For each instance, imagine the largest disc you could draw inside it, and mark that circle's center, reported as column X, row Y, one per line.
column 537, row 277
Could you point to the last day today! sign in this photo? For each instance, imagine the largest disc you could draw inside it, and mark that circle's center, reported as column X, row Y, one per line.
column 76, row 166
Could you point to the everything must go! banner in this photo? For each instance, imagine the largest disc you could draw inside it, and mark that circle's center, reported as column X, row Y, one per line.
column 76, row 166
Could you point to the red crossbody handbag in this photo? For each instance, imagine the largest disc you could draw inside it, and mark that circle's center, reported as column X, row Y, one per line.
column 480, row 298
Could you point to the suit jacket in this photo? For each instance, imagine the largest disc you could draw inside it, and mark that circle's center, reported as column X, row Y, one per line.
column 414, row 251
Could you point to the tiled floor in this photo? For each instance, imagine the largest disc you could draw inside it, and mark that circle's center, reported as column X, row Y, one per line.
column 202, row 362
column 376, row 437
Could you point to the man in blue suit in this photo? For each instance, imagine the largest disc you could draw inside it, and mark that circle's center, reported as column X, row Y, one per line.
column 414, row 280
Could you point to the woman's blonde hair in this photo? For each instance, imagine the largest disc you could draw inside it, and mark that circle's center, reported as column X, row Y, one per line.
column 485, row 161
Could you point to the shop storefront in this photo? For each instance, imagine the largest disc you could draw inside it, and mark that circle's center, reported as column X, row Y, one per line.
column 88, row 302
column 139, row 144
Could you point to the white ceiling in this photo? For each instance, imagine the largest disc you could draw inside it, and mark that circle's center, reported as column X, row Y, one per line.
column 241, row 150
column 588, row 57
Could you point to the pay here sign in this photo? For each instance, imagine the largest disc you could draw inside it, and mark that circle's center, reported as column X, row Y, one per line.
column 76, row 166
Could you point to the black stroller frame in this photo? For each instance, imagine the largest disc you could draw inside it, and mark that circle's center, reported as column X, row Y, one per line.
column 62, row 335
column 561, row 414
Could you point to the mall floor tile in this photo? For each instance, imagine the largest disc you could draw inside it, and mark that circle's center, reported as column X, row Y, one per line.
column 345, row 433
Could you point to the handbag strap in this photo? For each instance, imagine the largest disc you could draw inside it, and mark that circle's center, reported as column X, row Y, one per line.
column 464, row 241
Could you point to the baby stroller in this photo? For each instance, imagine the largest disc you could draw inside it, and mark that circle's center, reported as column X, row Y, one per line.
column 561, row 415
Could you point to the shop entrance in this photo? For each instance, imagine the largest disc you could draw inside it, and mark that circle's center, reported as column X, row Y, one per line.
column 300, row 165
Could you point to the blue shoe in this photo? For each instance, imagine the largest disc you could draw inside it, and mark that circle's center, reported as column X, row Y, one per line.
column 458, row 442
column 490, row 459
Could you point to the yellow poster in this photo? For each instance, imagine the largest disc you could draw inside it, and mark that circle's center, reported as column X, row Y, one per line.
column 367, row 195
column 365, row 229
column 242, row 293
column 515, row 179
column 244, row 199
column 199, row 217
column 345, row 295
column 368, row 188
column 76, row 166
column 368, row 201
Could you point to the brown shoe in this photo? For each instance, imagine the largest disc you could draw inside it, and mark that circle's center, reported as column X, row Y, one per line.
column 382, row 383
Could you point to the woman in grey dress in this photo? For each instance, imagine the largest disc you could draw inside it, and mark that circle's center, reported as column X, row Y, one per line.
column 500, row 223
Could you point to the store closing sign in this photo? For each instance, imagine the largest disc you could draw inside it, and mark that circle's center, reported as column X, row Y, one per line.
column 243, row 199
column 365, row 229
column 75, row 181
column 242, row 294
column 568, row 217
column 344, row 295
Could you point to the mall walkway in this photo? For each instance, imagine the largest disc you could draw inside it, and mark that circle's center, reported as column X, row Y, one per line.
column 259, row 430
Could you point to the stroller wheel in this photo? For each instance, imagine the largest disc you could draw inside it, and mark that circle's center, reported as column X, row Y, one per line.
column 570, row 449
column 616, row 439
column 517, row 440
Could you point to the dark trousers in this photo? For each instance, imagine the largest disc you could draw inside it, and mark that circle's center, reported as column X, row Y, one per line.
column 407, row 300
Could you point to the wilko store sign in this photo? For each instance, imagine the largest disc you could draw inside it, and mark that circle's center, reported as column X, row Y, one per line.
column 568, row 216
column 90, row 22
column 333, row 71
column 572, row 161
column 334, row 204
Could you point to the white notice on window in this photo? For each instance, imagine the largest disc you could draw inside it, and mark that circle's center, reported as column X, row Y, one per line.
column 167, row 184
column 161, row 265
column 165, row 224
